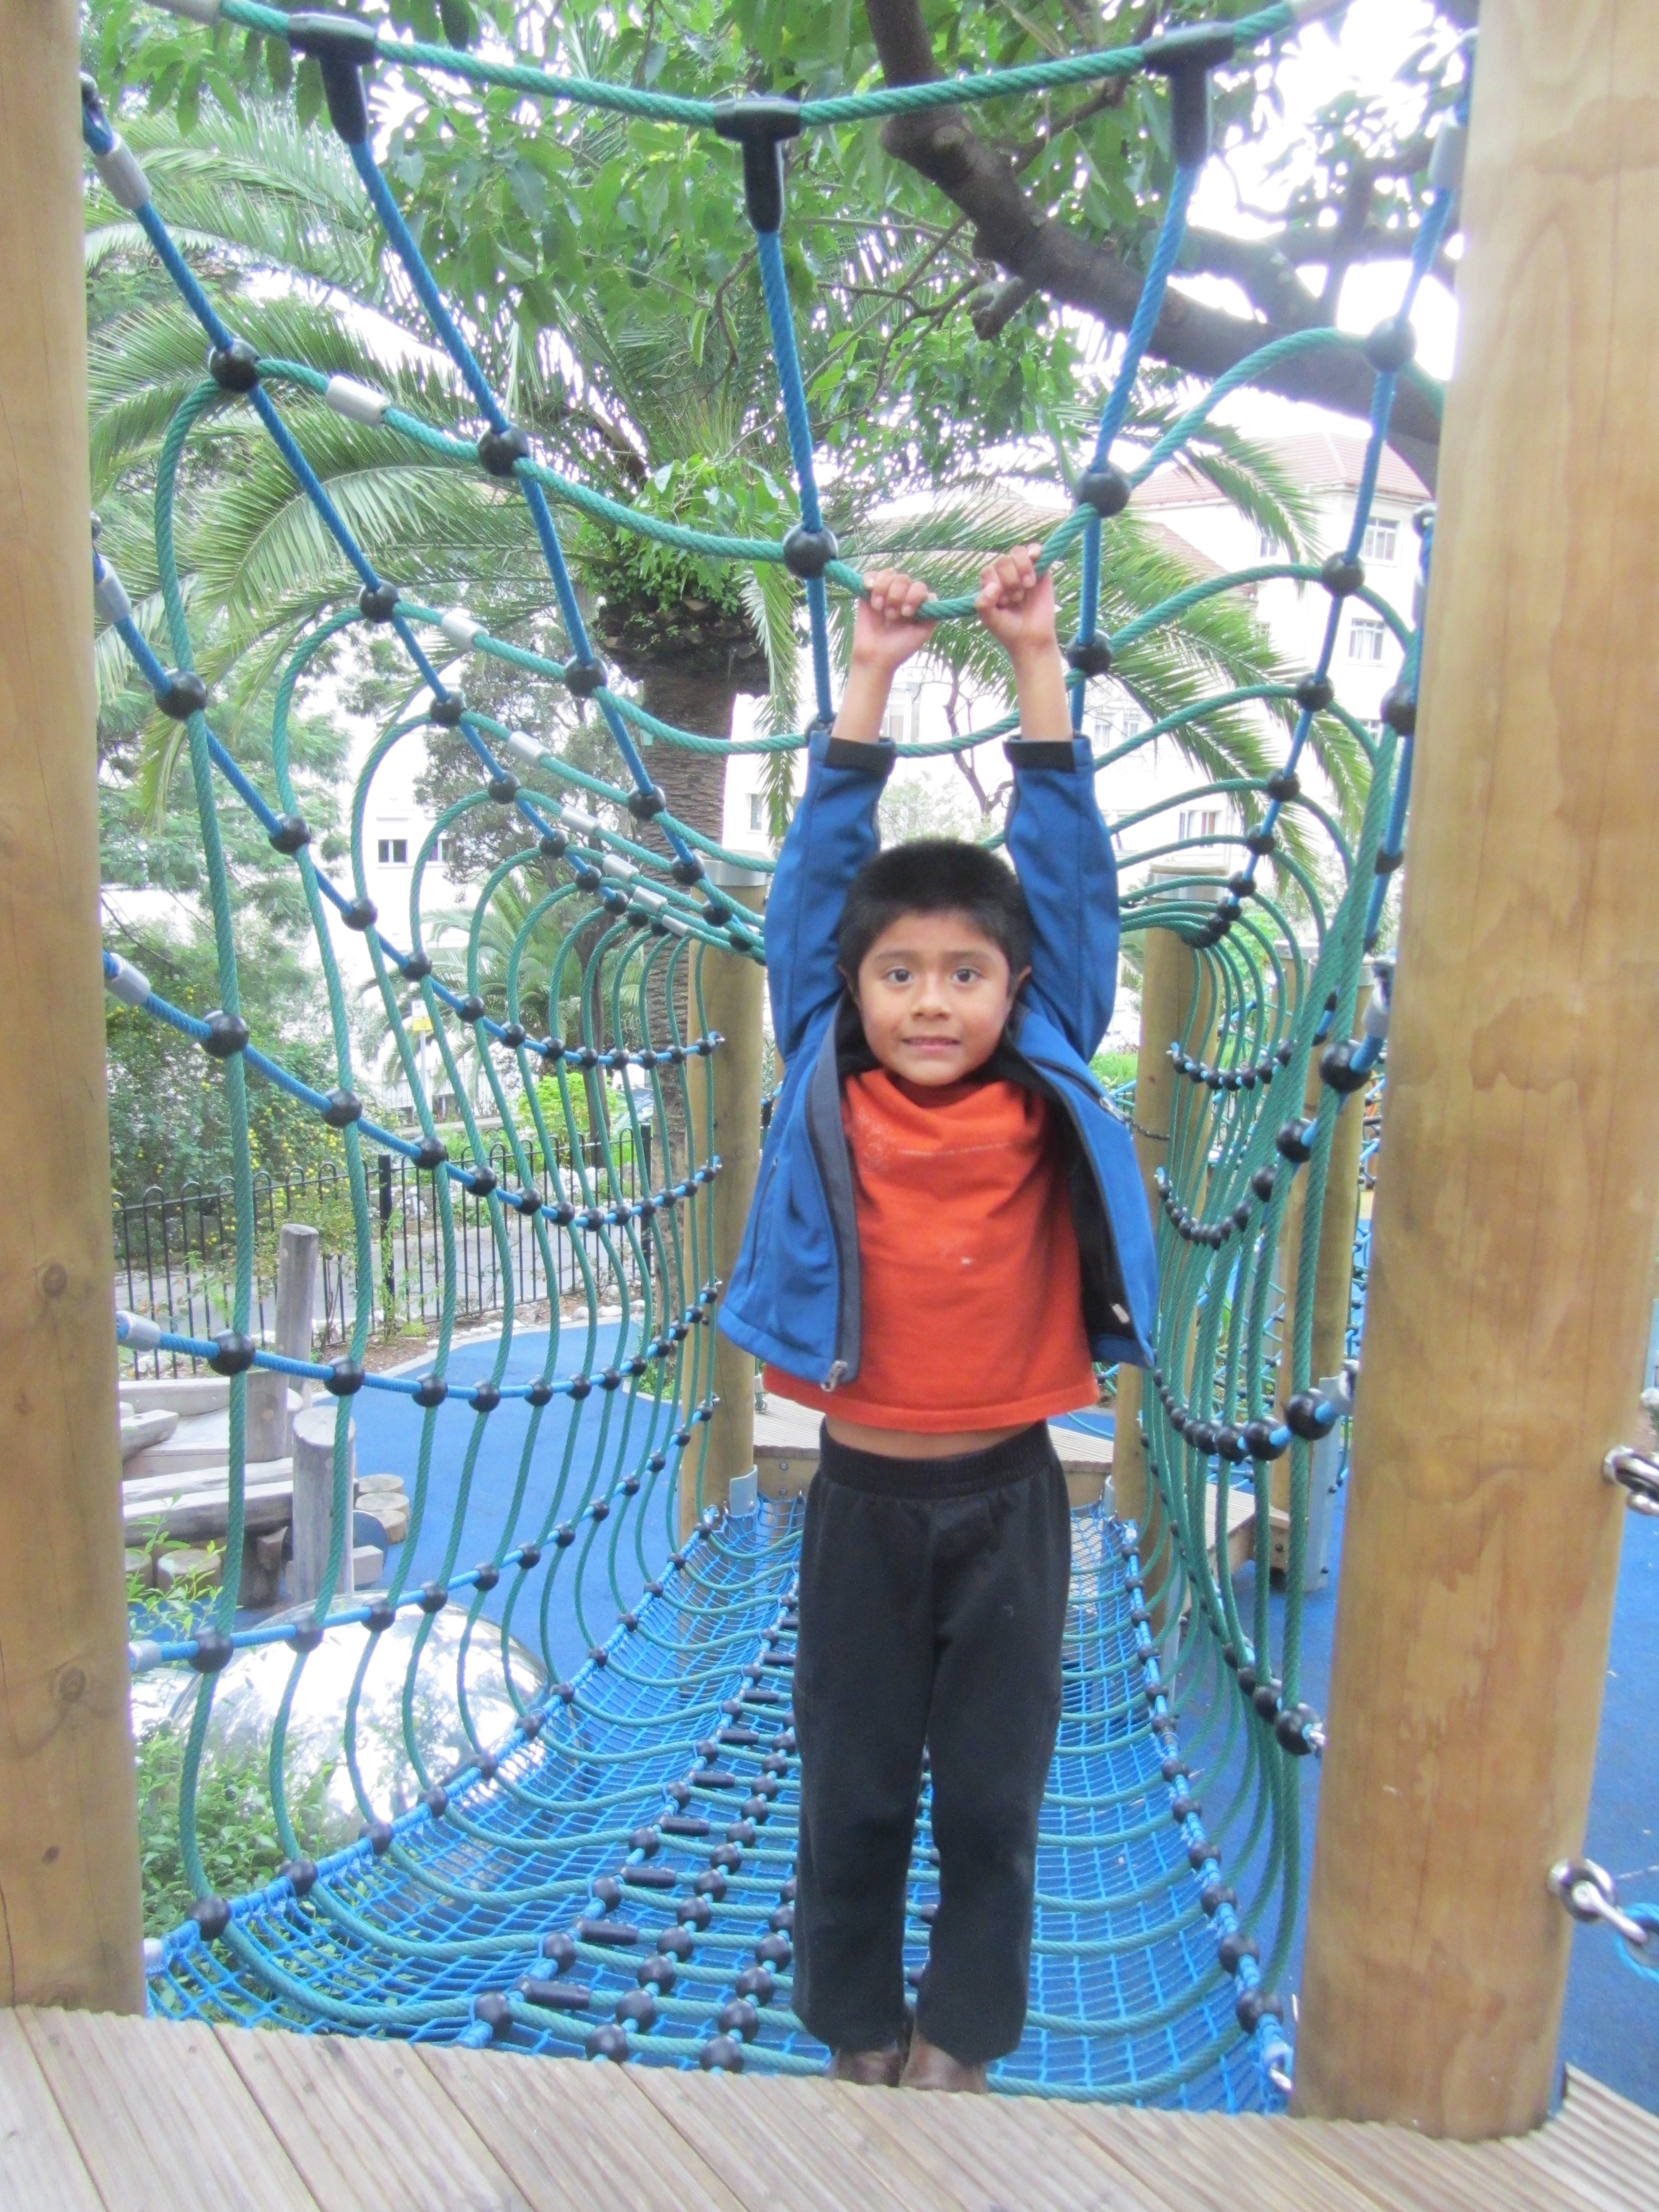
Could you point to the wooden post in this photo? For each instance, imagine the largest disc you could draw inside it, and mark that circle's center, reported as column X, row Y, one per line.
column 1169, row 976
column 297, row 1248
column 1516, row 1217
column 313, row 1503
column 68, row 1854
column 733, row 988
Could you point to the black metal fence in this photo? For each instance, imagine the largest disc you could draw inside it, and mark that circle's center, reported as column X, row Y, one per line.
column 175, row 1255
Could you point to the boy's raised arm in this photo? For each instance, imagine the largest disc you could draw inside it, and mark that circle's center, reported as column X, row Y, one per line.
column 833, row 832
column 1060, row 845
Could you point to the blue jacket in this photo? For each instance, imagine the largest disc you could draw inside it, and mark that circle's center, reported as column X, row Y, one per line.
column 794, row 1296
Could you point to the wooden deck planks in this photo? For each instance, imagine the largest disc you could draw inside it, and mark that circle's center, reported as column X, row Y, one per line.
column 99, row 2114
column 577, row 2138
column 160, row 2116
column 40, row 2168
column 362, row 2123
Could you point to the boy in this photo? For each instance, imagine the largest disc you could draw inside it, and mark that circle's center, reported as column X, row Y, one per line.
column 948, row 1228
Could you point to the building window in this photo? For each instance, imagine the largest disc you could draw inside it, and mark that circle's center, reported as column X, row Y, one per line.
column 1381, row 541
column 446, row 850
column 394, row 852
column 1365, row 639
column 896, row 722
column 1267, row 547
column 1198, row 822
column 756, row 810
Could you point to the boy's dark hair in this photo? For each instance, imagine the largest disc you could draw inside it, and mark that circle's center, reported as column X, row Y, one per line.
column 935, row 875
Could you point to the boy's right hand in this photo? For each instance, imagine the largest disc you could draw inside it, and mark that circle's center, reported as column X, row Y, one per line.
column 885, row 629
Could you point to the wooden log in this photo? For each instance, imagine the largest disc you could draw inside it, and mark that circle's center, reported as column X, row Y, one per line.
column 733, row 989
column 313, row 1503
column 297, row 1248
column 1514, row 1224
column 69, row 1853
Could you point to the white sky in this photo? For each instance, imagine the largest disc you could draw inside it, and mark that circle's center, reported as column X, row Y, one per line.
column 1362, row 50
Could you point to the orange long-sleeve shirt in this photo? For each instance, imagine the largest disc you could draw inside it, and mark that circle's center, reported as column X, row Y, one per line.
column 972, row 1289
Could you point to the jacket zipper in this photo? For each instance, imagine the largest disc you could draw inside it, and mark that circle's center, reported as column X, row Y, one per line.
column 1121, row 1304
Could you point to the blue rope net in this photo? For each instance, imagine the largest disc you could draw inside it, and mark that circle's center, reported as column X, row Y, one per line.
column 610, row 1871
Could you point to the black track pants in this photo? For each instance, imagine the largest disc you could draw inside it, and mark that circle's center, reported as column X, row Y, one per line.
column 932, row 1600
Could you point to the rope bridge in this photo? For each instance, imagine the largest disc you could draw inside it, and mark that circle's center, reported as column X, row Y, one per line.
column 614, row 1875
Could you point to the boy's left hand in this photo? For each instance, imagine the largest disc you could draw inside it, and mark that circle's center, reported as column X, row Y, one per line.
column 886, row 629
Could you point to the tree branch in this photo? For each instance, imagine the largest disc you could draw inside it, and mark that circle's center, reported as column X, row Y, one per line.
column 940, row 144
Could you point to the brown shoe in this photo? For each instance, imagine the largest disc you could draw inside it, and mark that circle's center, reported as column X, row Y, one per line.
column 928, row 2067
column 869, row 2069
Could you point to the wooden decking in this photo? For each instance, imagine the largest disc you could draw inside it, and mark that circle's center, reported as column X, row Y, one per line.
column 105, row 2115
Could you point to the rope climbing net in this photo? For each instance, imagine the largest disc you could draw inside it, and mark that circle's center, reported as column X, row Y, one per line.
column 609, row 1867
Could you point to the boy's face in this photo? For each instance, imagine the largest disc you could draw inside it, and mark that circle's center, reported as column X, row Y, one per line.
column 935, row 993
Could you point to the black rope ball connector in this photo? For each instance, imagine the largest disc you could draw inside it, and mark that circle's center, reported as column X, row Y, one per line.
column 1214, row 1896
column 760, row 123
column 1268, row 1698
column 291, row 833
column 378, row 1836
column 376, row 602
column 1241, row 885
column 341, row 44
column 1391, row 345
column 1341, row 577
column 1291, row 1144
column 185, row 695
column 447, row 712
column 361, row 913
column 494, row 2010
column 1253, row 2006
column 501, row 451
column 233, row 1353
column 688, row 870
column 1258, row 1441
column 379, row 1617
column 722, row 2054
column 1263, row 1182
column 1282, row 786
column 808, row 553
column 529, row 1203
column 471, row 1008
column 1235, row 1946
column 1106, row 489
column 638, row 2008
column 561, row 1949
column 484, row 1398
column 554, row 844
column 1314, row 693
column 307, row 1637
column 431, row 1390
column 213, row 1651
column 1261, row 842
column 1290, row 1729
column 211, row 1916
column 756, row 1983
column 503, row 789
column 582, row 679
column 235, row 368
column 1093, row 658
column 430, row 1154
column 434, row 1596
column 227, row 1035
column 1307, row 1416
column 481, row 1181
column 738, row 2017
column 646, row 805
column 1399, row 713
column 1337, row 1070
column 417, row 967
column 344, row 1379
column 300, row 1874
column 343, row 1108
column 1186, row 57
column 513, row 1035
